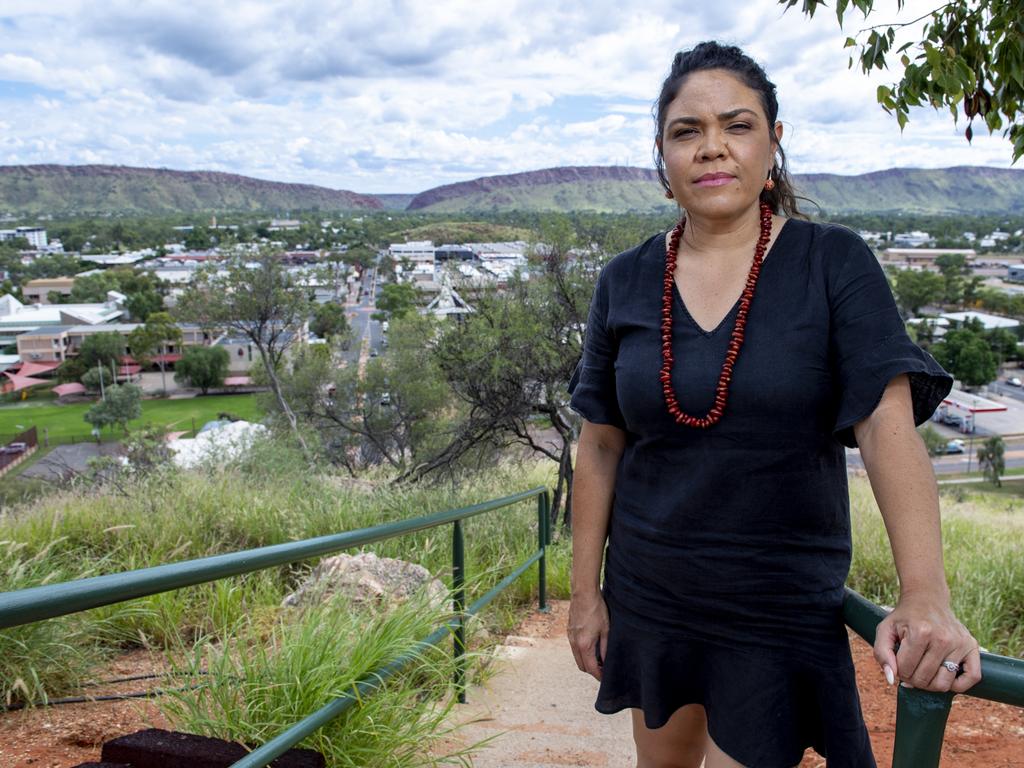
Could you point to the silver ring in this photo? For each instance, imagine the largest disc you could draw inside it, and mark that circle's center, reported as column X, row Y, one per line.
column 952, row 666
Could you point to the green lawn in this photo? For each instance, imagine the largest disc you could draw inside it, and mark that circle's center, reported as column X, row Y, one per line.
column 65, row 422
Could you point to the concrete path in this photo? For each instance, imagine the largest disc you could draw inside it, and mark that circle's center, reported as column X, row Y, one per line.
column 539, row 708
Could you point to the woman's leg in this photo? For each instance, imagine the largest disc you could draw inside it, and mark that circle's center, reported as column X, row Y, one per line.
column 677, row 744
column 716, row 758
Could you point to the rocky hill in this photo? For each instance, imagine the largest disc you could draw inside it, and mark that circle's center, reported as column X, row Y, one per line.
column 600, row 188
column 104, row 189
column 595, row 188
column 962, row 189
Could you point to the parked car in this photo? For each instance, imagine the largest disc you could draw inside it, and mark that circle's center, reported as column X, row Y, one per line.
column 955, row 446
column 1014, row 381
column 385, row 398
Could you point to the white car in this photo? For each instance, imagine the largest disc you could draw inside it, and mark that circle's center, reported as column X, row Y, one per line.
column 1014, row 381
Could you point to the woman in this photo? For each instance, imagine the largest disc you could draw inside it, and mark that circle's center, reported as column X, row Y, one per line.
column 726, row 364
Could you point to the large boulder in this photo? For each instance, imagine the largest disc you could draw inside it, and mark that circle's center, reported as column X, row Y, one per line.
column 364, row 578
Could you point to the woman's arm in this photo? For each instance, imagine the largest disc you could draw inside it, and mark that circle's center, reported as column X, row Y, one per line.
column 903, row 481
column 597, row 459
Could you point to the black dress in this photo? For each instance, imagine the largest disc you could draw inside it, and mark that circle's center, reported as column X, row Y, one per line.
column 728, row 547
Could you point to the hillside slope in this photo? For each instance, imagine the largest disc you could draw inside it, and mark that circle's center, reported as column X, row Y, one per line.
column 100, row 189
column 913, row 190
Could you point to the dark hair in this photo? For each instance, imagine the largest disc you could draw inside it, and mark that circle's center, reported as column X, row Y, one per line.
column 713, row 55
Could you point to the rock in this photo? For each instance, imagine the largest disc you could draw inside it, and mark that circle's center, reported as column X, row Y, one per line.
column 367, row 579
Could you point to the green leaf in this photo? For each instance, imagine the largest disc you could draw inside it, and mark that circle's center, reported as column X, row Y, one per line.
column 840, row 10
column 902, row 118
column 850, row 43
column 965, row 74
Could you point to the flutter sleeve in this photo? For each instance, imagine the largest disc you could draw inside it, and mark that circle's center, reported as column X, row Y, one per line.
column 592, row 385
column 869, row 344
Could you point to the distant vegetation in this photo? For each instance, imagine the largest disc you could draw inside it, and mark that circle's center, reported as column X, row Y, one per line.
column 464, row 232
column 98, row 189
column 950, row 191
column 114, row 190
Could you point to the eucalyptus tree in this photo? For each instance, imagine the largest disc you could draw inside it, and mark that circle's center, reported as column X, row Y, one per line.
column 509, row 362
column 254, row 296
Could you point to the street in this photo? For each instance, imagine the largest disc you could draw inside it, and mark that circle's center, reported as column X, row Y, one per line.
column 365, row 331
column 958, row 462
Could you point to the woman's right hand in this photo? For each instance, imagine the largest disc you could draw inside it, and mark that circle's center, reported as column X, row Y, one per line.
column 588, row 632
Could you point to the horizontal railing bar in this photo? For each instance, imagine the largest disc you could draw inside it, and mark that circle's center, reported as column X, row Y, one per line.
column 38, row 603
column 487, row 597
column 284, row 741
column 1002, row 677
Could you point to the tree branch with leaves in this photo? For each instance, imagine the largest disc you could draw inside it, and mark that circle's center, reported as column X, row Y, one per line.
column 968, row 58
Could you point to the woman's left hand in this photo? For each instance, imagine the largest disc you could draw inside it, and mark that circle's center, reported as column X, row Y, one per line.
column 928, row 635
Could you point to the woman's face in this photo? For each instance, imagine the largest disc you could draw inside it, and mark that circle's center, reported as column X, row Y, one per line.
column 717, row 146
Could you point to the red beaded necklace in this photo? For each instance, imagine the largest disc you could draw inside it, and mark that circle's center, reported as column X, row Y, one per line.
column 735, row 342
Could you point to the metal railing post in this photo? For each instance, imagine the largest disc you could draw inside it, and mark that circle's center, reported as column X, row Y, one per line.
column 459, row 604
column 542, row 539
column 920, row 727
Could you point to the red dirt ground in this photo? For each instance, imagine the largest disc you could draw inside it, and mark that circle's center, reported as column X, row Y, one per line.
column 980, row 734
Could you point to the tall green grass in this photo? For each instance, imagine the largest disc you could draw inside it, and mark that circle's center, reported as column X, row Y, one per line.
column 259, row 681
column 983, row 543
column 269, row 498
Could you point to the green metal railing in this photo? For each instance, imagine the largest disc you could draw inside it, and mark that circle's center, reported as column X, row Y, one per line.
column 921, row 715
column 39, row 603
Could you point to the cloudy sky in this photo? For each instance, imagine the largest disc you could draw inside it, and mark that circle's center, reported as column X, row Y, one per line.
column 386, row 96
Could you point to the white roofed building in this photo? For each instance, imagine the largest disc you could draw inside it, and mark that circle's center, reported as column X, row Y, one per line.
column 16, row 318
column 418, row 251
column 989, row 322
column 447, row 303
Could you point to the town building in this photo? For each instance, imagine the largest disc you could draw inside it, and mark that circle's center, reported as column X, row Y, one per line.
column 38, row 291
column 989, row 322
column 417, row 251
column 36, row 236
column 58, row 343
column 454, row 253
column 924, row 257
column 448, row 303
column 118, row 259
column 17, row 318
column 914, row 239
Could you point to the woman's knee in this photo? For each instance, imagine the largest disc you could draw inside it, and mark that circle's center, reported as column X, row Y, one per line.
column 677, row 744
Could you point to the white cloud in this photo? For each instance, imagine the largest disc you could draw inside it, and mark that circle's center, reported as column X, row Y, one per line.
column 393, row 95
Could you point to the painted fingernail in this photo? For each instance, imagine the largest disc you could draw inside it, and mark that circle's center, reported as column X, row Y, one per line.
column 890, row 678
